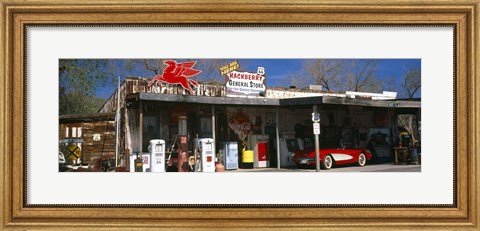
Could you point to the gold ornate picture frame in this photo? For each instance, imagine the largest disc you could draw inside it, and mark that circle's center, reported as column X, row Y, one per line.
column 16, row 15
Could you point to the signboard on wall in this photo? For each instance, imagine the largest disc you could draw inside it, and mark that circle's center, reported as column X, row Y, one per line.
column 240, row 125
column 243, row 83
column 179, row 74
column 316, row 128
column 233, row 66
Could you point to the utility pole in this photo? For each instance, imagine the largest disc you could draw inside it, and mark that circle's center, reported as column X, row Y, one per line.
column 117, row 126
column 316, row 131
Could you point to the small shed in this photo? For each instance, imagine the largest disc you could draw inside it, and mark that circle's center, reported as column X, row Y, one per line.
column 92, row 134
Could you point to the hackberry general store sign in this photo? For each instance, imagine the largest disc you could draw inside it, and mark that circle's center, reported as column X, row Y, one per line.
column 246, row 83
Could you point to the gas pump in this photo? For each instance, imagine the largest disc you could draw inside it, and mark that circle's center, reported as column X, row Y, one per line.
column 157, row 152
column 183, row 145
column 287, row 148
column 207, row 152
column 140, row 163
column 230, row 155
column 260, row 149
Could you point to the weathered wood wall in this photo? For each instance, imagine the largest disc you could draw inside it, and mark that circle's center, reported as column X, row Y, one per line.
column 91, row 149
column 137, row 84
column 133, row 128
column 134, row 85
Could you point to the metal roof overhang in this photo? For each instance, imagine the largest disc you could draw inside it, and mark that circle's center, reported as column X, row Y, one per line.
column 349, row 101
column 304, row 101
column 204, row 99
column 87, row 117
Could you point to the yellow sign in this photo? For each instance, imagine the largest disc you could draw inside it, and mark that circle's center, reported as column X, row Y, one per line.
column 73, row 152
column 233, row 66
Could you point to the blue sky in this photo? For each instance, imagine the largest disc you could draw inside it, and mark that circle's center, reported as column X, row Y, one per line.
column 277, row 70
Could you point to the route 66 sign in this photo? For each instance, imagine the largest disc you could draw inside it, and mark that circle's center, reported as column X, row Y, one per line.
column 261, row 70
column 271, row 119
column 96, row 137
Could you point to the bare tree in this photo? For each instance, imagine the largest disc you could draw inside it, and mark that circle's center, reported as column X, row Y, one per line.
column 153, row 66
column 340, row 75
column 361, row 75
column 411, row 81
column 209, row 68
column 210, row 72
column 325, row 72
column 390, row 83
column 296, row 79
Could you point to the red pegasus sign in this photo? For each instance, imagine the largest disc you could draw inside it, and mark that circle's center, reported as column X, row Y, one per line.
column 178, row 73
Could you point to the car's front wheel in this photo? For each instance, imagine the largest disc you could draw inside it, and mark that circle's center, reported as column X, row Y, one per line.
column 362, row 160
column 327, row 162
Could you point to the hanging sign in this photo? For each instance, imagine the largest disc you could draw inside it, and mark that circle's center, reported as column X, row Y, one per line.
column 240, row 125
column 178, row 73
column 316, row 128
column 245, row 83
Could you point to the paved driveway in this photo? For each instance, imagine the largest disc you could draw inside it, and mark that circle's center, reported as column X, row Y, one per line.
column 389, row 167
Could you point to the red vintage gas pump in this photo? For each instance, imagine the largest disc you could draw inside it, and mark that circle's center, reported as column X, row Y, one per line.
column 183, row 145
column 259, row 143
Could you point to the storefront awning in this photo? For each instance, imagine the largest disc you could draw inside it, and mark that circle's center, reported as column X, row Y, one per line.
column 304, row 101
column 349, row 101
column 204, row 99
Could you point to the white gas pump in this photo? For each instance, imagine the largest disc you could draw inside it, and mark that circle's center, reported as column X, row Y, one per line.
column 157, row 153
column 206, row 147
column 230, row 156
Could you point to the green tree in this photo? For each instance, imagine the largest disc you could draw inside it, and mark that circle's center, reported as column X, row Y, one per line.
column 78, row 82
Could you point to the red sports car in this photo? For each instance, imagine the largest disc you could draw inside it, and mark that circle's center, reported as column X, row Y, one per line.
column 333, row 156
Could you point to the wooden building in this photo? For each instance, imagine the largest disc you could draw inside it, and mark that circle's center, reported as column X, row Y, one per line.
column 92, row 134
column 151, row 112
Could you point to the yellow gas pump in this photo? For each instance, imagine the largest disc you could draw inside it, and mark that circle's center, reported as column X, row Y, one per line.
column 138, row 164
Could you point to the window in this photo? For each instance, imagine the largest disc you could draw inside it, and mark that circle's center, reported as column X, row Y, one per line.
column 151, row 129
column 71, row 131
column 205, row 127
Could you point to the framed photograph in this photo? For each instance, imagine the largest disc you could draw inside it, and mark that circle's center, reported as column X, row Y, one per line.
column 175, row 115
